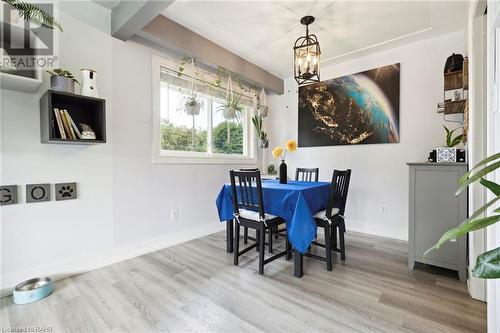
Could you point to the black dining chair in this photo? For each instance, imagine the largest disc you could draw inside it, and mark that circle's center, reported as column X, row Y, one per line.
column 245, row 229
column 332, row 218
column 307, row 174
column 248, row 207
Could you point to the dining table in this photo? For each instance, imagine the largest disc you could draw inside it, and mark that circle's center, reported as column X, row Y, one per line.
column 296, row 202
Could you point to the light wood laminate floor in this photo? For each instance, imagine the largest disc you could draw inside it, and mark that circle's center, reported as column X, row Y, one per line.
column 194, row 287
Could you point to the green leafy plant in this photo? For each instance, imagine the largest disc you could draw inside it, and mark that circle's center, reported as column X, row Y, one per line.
column 271, row 169
column 488, row 263
column 219, row 138
column 450, row 140
column 231, row 109
column 63, row 73
column 258, row 124
column 34, row 14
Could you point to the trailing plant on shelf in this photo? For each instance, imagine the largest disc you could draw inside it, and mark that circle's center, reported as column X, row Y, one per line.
column 488, row 263
column 62, row 80
column 258, row 124
column 34, row 14
column 63, row 73
column 450, row 140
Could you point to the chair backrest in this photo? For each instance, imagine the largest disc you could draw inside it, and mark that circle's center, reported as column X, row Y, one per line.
column 338, row 191
column 307, row 175
column 246, row 189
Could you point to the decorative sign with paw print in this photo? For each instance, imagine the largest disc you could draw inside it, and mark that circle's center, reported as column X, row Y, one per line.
column 65, row 191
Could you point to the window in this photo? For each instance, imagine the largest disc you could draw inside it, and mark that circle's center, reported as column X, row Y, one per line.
column 191, row 124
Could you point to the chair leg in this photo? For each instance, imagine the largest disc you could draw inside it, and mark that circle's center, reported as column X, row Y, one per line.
column 328, row 248
column 333, row 236
column 257, row 240
column 236, row 243
column 342, row 240
column 288, row 250
column 245, row 235
column 262, row 242
column 271, row 240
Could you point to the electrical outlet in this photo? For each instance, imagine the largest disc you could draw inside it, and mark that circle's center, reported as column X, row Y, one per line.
column 383, row 209
column 174, row 215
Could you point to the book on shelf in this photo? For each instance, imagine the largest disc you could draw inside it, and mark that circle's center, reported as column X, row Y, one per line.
column 68, row 120
column 59, row 123
column 75, row 129
column 66, row 125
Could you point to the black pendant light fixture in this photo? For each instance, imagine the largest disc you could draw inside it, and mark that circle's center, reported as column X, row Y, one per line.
column 306, row 53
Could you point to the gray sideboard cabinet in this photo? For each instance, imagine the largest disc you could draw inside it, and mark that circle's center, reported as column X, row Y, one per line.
column 434, row 209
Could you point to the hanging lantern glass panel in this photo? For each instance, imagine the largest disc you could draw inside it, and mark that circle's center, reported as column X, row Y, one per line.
column 306, row 56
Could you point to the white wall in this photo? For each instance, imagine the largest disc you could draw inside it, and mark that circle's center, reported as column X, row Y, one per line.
column 124, row 203
column 39, row 234
column 379, row 171
column 144, row 193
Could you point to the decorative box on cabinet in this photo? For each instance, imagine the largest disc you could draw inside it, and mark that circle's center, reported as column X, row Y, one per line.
column 434, row 209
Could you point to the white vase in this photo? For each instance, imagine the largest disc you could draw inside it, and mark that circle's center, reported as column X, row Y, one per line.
column 89, row 82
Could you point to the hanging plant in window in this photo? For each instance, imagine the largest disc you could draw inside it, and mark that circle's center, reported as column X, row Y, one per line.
column 232, row 108
column 191, row 103
column 260, row 105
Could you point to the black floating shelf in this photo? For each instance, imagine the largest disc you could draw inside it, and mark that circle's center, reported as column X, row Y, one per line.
column 82, row 109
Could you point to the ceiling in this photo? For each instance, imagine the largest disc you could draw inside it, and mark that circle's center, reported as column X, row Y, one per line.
column 263, row 32
column 109, row 4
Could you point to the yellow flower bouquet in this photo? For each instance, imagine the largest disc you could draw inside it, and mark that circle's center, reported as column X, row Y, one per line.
column 280, row 152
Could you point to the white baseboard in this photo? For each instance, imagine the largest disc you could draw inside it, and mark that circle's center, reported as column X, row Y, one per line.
column 77, row 265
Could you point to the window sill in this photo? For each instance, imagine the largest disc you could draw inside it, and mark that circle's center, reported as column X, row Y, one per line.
column 204, row 160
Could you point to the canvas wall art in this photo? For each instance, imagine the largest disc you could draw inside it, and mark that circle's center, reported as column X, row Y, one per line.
column 360, row 108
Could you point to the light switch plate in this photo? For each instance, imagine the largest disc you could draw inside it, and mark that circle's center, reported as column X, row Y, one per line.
column 65, row 191
column 37, row 193
column 8, row 195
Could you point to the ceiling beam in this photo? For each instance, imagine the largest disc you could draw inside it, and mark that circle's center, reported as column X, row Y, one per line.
column 178, row 38
column 128, row 17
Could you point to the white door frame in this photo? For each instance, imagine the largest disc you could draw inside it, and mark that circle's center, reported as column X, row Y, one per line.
column 477, row 136
column 493, row 130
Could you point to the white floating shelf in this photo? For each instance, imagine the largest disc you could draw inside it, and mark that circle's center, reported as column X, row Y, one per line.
column 20, row 83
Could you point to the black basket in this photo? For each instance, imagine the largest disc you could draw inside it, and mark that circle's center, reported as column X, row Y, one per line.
column 454, row 63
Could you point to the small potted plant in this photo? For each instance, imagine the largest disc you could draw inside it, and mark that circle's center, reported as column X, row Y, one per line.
column 192, row 105
column 62, row 80
column 449, row 152
column 271, row 169
column 260, row 105
column 232, row 109
column 257, row 122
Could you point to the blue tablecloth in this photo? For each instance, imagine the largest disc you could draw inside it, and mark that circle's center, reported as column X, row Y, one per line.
column 296, row 202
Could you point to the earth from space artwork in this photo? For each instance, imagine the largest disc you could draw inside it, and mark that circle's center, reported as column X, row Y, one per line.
column 360, row 108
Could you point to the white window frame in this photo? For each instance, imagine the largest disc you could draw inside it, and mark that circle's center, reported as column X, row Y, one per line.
column 185, row 157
